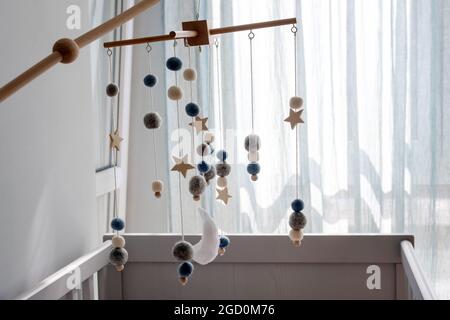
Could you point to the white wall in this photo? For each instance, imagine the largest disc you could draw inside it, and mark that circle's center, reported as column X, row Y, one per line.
column 145, row 213
column 47, row 154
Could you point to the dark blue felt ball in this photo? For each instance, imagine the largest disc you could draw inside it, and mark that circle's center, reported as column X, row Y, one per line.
column 222, row 155
column 203, row 167
column 297, row 205
column 253, row 168
column 174, row 64
column 185, row 269
column 224, row 242
column 117, row 224
column 150, row 80
column 192, row 109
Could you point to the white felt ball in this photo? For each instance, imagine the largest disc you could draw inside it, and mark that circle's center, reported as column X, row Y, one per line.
column 190, row 74
column 296, row 235
column 157, row 186
column 175, row 93
column 296, row 103
column 253, row 156
column 222, row 182
column 209, row 137
column 118, row 242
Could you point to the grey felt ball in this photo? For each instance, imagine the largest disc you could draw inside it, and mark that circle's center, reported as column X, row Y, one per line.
column 297, row 220
column 112, row 90
column 152, row 120
column 203, row 150
column 223, row 169
column 210, row 174
column 118, row 257
column 183, row 251
column 197, row 185
column 252, row 143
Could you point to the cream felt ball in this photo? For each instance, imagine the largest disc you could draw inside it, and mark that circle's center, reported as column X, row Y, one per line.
column 118, row 242
column 190, row 74
column 175, row 93
column 222, row 182
column 296, row 103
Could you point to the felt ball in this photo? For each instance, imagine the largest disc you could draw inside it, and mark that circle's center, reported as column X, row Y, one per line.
column 211, row 174
column 174, row 64
column 296, row 103
column 203, row 167
column 222, row 182
column 190, row 74
column 209, row 137
column 296, row 235
column 297, row 220
column 253, row 168
column 297, row 205
column 183, row 251
column 175, row 93
column 150, row 80
column 183, row 280
column 152, row 120
column 224, row 242
column 117, row 224
column 222, row 155
column 112, row 90
column 185, row 269
column 223, row 169
column 118, row 241
column 197, row 185
column 203, row 150
column 252, row 143
column 157, row 186
column 253, row 156
column 118, row 256
column 192, row 109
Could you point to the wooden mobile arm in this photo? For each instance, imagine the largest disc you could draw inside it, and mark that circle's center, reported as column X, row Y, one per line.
column 67, row 50
column 197, row 33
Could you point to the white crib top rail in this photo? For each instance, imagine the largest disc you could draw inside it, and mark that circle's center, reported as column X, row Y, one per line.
column 64, row 281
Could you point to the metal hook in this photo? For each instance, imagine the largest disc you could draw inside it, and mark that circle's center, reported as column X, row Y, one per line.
column 148, row 48
column 109, row 52
column 294, row 29
column 175, row 43
column 216, row 42
column 251, row 35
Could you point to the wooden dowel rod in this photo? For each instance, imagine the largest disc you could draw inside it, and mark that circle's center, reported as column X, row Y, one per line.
column 32, row 73
column 165, row 37
column 82, row 41
column 115, row 22
column 253, row 26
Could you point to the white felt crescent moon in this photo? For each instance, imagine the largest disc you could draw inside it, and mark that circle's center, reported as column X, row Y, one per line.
column 205, row 251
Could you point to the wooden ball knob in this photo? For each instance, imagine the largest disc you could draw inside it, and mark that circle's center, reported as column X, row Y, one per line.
column 68, row 49
column 120, row 268
column 183, row 281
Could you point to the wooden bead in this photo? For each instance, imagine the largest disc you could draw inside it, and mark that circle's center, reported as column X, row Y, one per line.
column 118, row 241
column 296, row 103
column 158, row 195
column 157, row 186
column 175, row 93
column 222, row 182
column 253, row 156
column 254, row 177
column 68, row 49
column 120, row 268
column 222, row 251
column 196, row 197
column 190, row 74
column 296, row 235
column 183, row 280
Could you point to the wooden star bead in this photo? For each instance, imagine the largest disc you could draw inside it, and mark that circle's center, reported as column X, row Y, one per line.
column 115, row 140
column 294, row 118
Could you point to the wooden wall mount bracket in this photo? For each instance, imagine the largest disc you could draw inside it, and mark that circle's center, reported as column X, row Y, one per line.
column 201, row 27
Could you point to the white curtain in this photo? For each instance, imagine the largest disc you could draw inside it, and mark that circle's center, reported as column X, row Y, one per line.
column 373, row 156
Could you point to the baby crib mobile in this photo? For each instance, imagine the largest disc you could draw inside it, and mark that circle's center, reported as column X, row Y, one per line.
column 197, row 33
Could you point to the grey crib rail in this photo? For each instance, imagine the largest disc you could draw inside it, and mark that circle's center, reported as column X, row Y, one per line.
column 149, row 256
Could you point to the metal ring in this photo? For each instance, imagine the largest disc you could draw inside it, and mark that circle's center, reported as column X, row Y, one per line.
column 148, row 48
column 175, row 43
column 216, row 42
column 294, row 29
column 251, row 35
column 109, row 52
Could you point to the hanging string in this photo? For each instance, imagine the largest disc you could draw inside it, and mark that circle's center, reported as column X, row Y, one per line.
column 149, row 49
column 115, row 152
column 251, row 36
column 297, row 132
column 219, row 104
column 180, row 150
column 193, row 118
